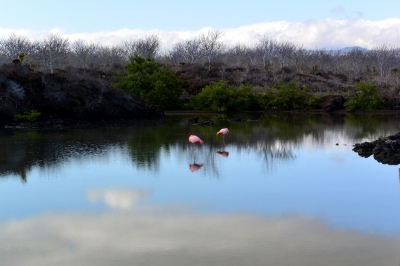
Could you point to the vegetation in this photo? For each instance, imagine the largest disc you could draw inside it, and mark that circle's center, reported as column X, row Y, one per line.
column 145, row 79
column 218, row 96
column 27, row 116
column 288, row 96
column 367, row 98
column 209, row 75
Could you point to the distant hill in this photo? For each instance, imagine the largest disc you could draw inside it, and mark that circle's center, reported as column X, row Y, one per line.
column 350, row 48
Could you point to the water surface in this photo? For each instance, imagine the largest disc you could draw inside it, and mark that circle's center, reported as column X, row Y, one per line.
column 278, row 190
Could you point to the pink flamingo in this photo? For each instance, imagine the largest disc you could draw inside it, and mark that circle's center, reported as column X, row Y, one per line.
column 223, row 132
column 195, row 139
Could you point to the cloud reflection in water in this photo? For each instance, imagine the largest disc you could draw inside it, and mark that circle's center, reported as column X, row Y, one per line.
column 162, row 235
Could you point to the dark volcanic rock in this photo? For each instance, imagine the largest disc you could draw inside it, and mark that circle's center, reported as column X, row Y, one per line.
column 67, row 95
column 332, row 103
column 385, row 150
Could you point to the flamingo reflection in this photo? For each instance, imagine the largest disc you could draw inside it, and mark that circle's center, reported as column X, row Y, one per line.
column 224, row 154
column 193, row 167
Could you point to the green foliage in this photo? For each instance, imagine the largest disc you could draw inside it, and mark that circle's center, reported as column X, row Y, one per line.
column 159, row 86
column 381, row 137
column 19, row 59
column 288, row 96
column 368, row 98
column 218, row 96
column 27, row 116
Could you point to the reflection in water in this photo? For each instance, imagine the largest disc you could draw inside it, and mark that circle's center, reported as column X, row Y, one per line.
column 223, row 154
column 118, row 199
column 169, row 236
column 193, row 167
column 273, row 137
column 74, row 218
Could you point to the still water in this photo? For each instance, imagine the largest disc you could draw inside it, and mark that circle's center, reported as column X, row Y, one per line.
column 278, row 190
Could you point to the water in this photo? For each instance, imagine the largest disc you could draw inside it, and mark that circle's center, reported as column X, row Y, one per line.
column 278, row 190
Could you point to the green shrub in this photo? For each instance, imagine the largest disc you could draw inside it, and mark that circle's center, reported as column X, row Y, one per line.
column 27, row 116
column 218, row 96
column 145, row 79
column 288, row 96
column 368, row 98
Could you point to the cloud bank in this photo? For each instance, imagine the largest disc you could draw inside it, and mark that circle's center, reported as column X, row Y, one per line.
column 328, row 33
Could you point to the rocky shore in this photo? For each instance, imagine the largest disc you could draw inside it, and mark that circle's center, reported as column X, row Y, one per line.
column 385, row 150
column 67, row 96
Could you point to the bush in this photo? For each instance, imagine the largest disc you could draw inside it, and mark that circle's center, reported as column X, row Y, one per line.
column 368, row 98
column 159, row 86
column 288, row 96
column 218, row 96
column 27, row 116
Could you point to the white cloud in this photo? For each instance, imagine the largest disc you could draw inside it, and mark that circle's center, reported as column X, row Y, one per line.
column 328, row 33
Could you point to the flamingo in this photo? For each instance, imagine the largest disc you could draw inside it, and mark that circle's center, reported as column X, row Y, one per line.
column 194, row 139
column 223, row 132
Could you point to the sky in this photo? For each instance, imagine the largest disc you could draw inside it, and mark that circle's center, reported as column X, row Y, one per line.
column 312, row 24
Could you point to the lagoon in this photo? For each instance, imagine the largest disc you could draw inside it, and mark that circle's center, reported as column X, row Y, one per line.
column 281, row 189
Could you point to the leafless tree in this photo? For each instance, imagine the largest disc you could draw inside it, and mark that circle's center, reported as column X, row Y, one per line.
column 210, row 45
column 284, row 52
column 86, row 54
column 147, row 47
column 52, row 52
column 336, row 60
column 186, row 52
column 319, row 58
column 299, row 58
column 266, row 48
column 237, row 56
column 386, row 58
column 12, row 46
column 111, row 56
column 356, row 58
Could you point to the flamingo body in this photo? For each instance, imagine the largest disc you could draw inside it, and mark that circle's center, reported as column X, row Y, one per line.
column 223, row 131
column 195, row 139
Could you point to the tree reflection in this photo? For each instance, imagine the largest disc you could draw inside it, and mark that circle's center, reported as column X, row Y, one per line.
column 271, row 136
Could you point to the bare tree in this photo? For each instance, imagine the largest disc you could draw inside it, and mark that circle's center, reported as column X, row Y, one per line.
column 186, row 52
column 87, row 54
column 237, row 56
column 299, row 58
column 356, row 58
column 210, row 45
column 386, row 58
column 12, row 46
column 319, row 58
column 336, row 60
column 52, row 52
column 111, row 56
column 147, row 47
column 284, row 52
column 266, row 47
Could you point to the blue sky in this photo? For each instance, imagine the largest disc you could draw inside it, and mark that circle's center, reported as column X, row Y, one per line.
column 112, row 21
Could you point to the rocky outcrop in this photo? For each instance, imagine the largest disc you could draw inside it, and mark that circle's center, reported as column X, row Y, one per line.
column 385, row 150
column 332, row 103
column 67, row 95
